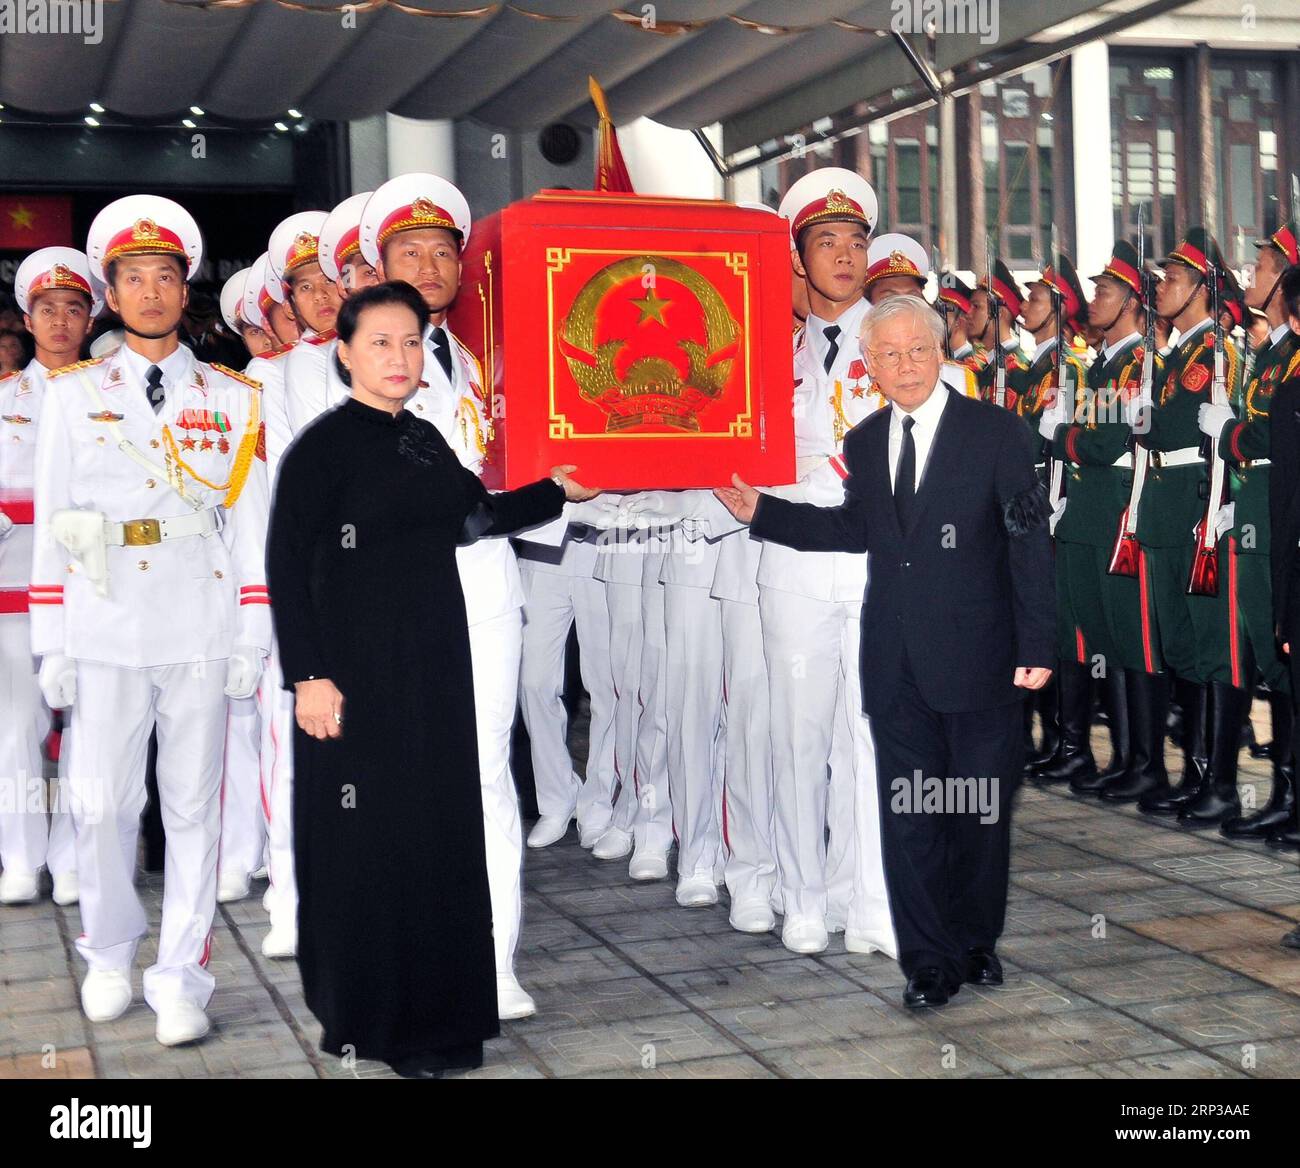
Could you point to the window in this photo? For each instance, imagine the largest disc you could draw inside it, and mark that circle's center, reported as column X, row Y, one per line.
column 1146, row 136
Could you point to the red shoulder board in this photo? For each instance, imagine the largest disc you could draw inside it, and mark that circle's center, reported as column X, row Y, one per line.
column 322, row 338
column 1195, row 377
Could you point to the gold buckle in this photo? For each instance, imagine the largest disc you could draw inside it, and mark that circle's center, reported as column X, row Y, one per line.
column 141, row 532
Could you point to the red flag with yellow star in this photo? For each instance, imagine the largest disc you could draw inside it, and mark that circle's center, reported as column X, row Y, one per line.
column 611, row 170
column 31, row 221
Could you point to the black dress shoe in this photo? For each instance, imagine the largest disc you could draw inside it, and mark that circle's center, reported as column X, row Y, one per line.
column 1292, row 939
column 928, row 987
column 983, row 967
column 433, row 1064
column 1285, row 839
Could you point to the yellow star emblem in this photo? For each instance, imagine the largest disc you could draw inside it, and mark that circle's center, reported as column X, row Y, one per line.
column 22, row 216
column 651, row 307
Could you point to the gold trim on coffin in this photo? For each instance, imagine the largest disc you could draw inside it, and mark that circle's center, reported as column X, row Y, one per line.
column 561, row 428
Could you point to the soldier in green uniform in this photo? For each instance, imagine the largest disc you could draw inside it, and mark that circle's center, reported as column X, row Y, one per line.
column 1173, row 502
column 1100, row 616
column 1054, row 302
column 954, row 304
column 995, row 307
column 1242, row 436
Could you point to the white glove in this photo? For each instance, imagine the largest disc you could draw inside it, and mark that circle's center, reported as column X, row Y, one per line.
column 604, row 511
column 1212, row 418
column 6, row 525
column 243, row 671
column 1133, row 410
column 660, row 505
column 1057, row 414
column 58, row 680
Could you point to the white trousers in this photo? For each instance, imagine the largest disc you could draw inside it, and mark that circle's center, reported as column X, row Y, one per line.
column 29, row 839
column 693, row 717
column 645, row 808
column 277, row 796
column 747, row 804
column 116, row 709
column 555, row 603
column 623, row 603
column 243, row 819
column 495, row 647
column 811, row 647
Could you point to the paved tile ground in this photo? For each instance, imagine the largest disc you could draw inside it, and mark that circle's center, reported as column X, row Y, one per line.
column 1132, row 950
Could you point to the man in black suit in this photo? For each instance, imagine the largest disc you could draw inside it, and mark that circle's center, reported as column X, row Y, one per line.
column 1284, row 519
column 958, row 624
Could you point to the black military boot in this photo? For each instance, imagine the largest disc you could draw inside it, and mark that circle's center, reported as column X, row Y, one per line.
column 1285, row 839
column 1280, row 810
column 1194, row 700
column 1074, row 758
column 1046, row 702
column 1147, row 701
column 1218, row 799
column 1114, row 699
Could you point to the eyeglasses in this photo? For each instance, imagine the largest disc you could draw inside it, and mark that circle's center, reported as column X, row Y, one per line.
column 891, row 358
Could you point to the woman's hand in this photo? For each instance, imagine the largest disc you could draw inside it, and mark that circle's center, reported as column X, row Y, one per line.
column 318, row 706
column 574, row 491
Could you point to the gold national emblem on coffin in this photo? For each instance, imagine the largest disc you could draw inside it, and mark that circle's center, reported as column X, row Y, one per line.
column 652, row 372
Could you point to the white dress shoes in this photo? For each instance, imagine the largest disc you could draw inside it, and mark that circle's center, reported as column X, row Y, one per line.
column 696, row 891
column 804, row 936
column 549, row 829
column 648, row 865
column 231, row 886
column 106, row 994
column 181, row 1021
column 17, row 887
column 281, row 941
column 67, row 889
column 756, row 916
column 513, row 1002
column 589, row 836
column 614, row 844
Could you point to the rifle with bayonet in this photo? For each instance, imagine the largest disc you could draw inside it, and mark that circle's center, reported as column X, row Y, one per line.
column 1204, row 578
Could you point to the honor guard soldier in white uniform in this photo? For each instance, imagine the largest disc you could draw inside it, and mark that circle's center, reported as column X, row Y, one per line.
column 809, row 602
column 413, row 228
column 243, row 819
column 149, row 605
column 60, row 299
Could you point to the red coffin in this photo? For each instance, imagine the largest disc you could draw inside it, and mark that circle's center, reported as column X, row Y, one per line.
column 644, row 340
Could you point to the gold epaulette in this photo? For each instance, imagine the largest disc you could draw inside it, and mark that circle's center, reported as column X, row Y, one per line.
column 1292, row 367
column 75, row 366
column 237, row 375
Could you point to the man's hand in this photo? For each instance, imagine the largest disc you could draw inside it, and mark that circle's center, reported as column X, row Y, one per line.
column 243, row 671
column 318, row 706
column 740, row 498
column 58, row 680
column 1032, row 677
column 1211, row 418
column 1057, row 414
column 574, row 491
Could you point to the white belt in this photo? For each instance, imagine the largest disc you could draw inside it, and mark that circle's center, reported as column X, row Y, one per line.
column 144, row 532
column 1255, row 462
column 1182, row 457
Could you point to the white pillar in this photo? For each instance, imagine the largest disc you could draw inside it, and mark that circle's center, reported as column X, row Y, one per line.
column 415, row 144
column 1094, row 213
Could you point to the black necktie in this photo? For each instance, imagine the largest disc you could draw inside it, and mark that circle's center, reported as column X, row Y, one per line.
column 832, row 334
column 905, row 479
column 441, row 350
column 154, row 388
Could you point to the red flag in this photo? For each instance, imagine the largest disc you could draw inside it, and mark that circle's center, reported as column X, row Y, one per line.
column 31, row 221
column 611, row 171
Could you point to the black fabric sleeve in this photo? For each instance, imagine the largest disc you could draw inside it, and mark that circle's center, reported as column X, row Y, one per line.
column 508, row 511
column 1029, row 547
column 299, row 516
column 809, row 528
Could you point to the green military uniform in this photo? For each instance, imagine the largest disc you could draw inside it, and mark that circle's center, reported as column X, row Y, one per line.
column 1040, row 384
column 1100, row 612
column 1008, row 298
